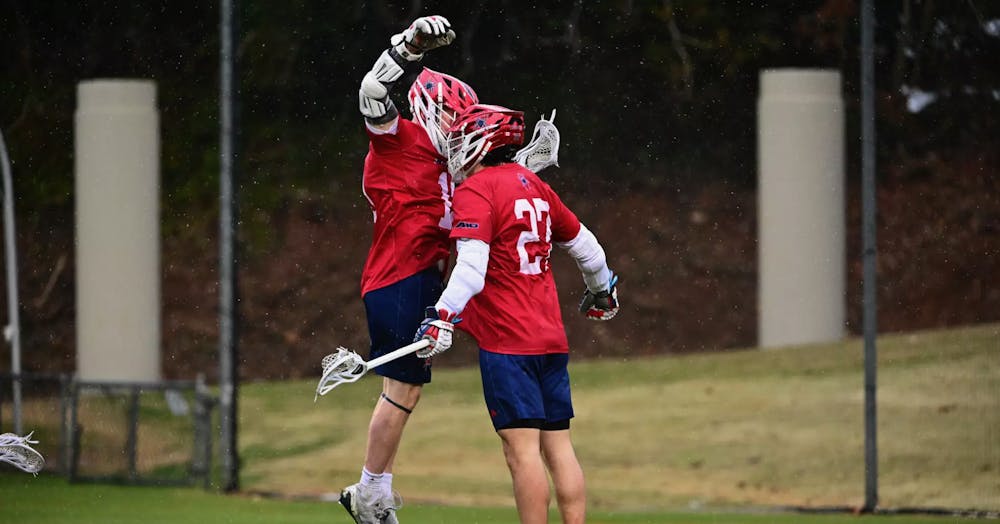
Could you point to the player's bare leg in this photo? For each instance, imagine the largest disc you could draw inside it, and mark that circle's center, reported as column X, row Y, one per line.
column 527, row 470
column 567, row 475
column 372, row 501
column 388, row 420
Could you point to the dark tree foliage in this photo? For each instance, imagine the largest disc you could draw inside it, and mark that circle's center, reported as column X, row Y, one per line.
column 656, row 102
column 948, row 51
column 48, row 47
column 649, row 94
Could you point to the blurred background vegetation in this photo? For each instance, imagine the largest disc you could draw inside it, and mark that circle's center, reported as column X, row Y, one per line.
column 657, row 107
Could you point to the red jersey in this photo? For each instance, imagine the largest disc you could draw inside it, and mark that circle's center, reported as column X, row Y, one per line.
column 519, row 216
column 409, row 190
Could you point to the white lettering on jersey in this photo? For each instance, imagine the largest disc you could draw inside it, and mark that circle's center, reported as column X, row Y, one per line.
column 447, row 189
column 535, row 209
column 370, row 203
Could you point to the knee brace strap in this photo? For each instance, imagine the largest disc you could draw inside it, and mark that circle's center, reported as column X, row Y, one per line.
column 397, row 404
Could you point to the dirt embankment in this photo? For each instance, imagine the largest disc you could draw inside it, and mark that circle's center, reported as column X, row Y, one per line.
column 687, row 262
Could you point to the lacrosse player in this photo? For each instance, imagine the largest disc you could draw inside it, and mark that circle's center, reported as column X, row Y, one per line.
column 506, row 221
column 409, row 189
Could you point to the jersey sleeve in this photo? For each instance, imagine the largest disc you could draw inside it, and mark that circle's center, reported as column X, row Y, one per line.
column 472, row 212
column 565, row 224
column 392, row 141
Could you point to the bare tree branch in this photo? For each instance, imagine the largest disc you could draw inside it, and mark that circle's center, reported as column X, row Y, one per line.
column 572, row 35
column 415, row 7
column 677, row 40
column 979, row 15
column 468, row 35
column 927, row 20
column 904, row 43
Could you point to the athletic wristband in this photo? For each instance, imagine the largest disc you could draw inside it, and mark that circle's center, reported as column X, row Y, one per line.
column 401, row 54
column 390, row 113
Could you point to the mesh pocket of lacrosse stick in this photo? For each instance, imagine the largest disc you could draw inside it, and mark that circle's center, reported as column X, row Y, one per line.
column 543, row 150
column 341, row 367
column 17, row 452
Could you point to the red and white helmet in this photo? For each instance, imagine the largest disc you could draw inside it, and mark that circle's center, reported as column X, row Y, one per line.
column 479, row 129
column 435, row 99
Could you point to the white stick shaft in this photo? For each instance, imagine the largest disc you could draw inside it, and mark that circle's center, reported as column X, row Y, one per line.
column 401, row 352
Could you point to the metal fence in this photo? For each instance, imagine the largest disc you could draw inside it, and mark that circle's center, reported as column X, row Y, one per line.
column 148, row 433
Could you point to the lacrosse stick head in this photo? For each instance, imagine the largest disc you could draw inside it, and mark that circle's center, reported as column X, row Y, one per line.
column 341, row 367
column 543, row 150
column 16, row 451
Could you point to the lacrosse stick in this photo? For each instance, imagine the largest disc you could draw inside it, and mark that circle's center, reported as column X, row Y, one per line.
column 347, row 366
column 543, row 150
column 17, row 452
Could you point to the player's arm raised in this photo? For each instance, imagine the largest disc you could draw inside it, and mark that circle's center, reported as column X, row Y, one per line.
column 400, row 59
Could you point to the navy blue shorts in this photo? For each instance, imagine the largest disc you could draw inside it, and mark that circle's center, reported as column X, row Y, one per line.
column 394, row 315
column 526, row 391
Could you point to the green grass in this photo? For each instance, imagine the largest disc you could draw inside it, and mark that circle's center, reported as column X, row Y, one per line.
column 51, row 500
column 776, row 427
column 725, row 433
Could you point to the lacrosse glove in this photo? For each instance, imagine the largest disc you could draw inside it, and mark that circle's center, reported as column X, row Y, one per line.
column 438, row 327
column 602, row 305
column 424, row 34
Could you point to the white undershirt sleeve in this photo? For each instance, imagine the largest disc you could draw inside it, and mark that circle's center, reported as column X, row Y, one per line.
column 385, row 129
column 590, row 258
column 468, row 277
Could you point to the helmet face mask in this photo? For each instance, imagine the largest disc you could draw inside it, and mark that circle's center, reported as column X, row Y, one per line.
column 479, row 129
column 435, row 98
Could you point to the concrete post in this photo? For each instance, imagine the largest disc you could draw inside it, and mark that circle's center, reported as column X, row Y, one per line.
column 117, row 142
column 800, row 213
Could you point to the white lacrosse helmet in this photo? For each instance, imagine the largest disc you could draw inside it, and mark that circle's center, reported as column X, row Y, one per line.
column 435, row 98
column 479, row 129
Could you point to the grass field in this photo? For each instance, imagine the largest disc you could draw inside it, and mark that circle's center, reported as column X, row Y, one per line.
column 49, row 500
column 779, row 427
column 705, row 435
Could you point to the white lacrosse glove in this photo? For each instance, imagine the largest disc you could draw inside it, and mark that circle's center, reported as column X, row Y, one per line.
column 424, row 34
column 602, row 305
column 438, row 327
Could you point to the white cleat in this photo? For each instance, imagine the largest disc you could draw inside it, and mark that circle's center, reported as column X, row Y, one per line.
column 367, row 506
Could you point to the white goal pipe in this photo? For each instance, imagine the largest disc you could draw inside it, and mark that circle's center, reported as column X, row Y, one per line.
column 12, row 331
column 800, row 212
column 117, row 231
